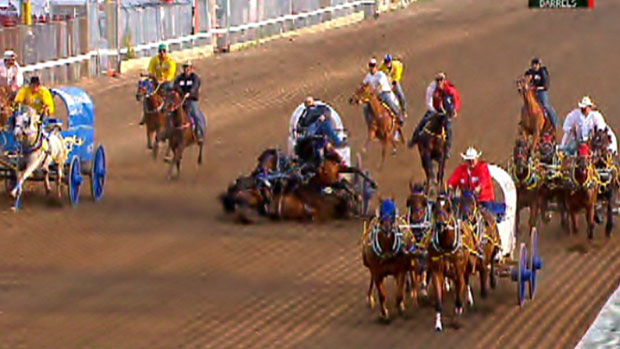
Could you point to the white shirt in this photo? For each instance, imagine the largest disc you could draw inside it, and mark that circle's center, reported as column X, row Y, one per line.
column 585, row 125
column 378, row 81
column 429, row 96
column 11, row 76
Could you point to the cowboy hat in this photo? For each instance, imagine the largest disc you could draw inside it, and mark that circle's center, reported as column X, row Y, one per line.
column 585, row 102
column 471, row 154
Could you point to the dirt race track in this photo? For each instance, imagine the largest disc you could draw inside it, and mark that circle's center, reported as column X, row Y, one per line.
column 159, row 265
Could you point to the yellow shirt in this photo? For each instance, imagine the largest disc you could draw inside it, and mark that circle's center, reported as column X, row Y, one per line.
column 396, row 73
column 37, row 100
column 164, row 70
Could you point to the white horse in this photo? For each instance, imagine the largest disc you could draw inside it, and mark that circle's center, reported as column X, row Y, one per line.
column 39, row 149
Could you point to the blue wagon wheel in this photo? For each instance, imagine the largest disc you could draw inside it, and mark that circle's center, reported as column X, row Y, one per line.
column 521, row 274
column 98, row 174
column 74, row 180
column 535, row 262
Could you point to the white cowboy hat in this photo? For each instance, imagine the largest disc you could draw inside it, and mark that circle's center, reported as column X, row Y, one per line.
column 372, row 61
column 585, row 102
column 9, row 54
column 471, row 154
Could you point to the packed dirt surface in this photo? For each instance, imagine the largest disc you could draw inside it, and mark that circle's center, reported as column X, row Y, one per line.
column 158, row 264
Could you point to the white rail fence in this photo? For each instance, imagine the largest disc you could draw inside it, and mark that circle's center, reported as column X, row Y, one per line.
column 141, row 29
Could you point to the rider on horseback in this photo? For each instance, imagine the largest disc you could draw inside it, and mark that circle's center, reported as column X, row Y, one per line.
column 438, row 93
column 10, row 72
column 382, row 87
column 474, row 176
column 36, row 96
column 539, row 76
column 188, row 84
column 163, row 67
column 579, row 124
column 393, row 68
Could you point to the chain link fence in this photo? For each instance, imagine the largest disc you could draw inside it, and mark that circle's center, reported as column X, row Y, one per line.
column 64, row 51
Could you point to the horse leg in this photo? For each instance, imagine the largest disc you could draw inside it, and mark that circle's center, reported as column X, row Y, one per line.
column 484, row 275
column 382, row 155
column 400, row 291
column 492, row 276
column 370, row 299
column 149, row 136
column 46, row 181
column 437, row 276
column 573, row 221
column 534, row 208
column 460, row 288
column 590, row 219
column 609, row 225
column 172, row 164
column 200, row 144
column 32, row 166
column 381, row 291
column 442, row 166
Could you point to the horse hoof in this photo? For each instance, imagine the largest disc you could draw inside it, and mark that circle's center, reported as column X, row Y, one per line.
column 385, row 315
column 458, row 311
column 401, row 308
column 424, row 293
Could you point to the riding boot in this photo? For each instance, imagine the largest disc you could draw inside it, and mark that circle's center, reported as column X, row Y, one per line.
column 419, row 128
column 143, row 121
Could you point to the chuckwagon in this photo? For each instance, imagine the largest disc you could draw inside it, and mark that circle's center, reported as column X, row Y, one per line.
column 78, row 135
column 361, row 185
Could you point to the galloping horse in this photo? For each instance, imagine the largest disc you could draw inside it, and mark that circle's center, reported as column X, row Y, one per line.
column 552, row 183
column 606, row 164
column 527, row 179
column 486, row 236
column 6, row 105
column 533, row 121
column 153, row 109
column 384, row 253
column 419, row 220
column 449, row 255
column 383, row 124
column 181, row 134
column 582, row 188
column 39, row 150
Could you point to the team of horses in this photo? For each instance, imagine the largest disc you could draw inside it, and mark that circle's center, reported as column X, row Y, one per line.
column 443, row 240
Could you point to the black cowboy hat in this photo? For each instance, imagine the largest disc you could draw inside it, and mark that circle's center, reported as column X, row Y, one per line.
column 35, row 80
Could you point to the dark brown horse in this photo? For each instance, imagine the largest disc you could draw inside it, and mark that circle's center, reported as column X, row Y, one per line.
column 419, row 220
column 432, row 147
column 551, row 187
column 533, row 121
column 606, row 165
column 449, row 255
column 181, row 135
column 527, row 180
column 486, row 235
column 383, row 125
column 582, row 188
column 384, row 253
column 154, row 114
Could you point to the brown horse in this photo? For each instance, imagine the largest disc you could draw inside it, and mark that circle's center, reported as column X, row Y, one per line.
column 383, row 124
column 432, row 147
column 154, row 114
column 533, row 121
column 551, row 186
column 181, row 135
column 6, row 105
column 308, row 203
column 582, row 188
column 384, row 253
column 486, row 236
column 606, row 165
column 419, row 221
column 449, row 255
column 527, row 180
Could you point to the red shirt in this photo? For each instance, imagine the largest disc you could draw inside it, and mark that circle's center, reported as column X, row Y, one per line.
column 448, row 89
column 466, row 179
